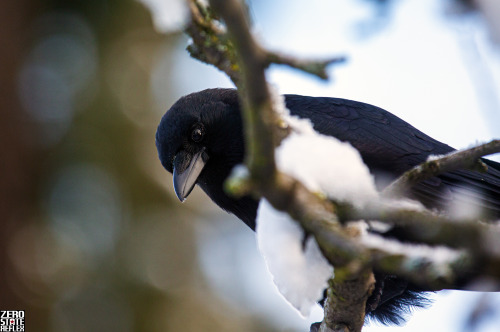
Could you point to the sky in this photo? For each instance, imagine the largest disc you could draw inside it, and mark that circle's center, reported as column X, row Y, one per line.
column 435, row 70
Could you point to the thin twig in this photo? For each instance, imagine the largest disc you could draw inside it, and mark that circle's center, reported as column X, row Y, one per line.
column 314, row 67
column 462, row 159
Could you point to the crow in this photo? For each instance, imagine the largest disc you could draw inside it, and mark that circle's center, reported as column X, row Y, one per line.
column 200, row 139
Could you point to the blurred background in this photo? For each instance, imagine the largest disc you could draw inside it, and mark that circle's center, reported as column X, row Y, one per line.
column 92, row 237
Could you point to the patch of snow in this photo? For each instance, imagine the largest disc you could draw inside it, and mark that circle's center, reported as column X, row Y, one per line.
column 326, row 165
column 433, row 157
column 379, row 227
column 322, row 163
column 300, row 274
column 298, row 125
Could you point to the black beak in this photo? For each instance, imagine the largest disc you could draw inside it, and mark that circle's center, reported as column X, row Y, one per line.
column 187, row 168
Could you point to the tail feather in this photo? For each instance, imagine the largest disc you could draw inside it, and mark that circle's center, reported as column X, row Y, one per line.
column 394, row 311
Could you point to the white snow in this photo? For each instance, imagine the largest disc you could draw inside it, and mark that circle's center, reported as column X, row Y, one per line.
column 378, row 226
column 300, row 274
column 326, row 165
column 433, row 157
column 298, row 125
column 322, row 163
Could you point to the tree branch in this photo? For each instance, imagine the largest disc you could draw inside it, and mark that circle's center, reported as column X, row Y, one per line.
column 261, row 129
column 347, row 299
column 353, row 254
column 468, row 159
column 427, row 227
column 212, row 45
column 314, row 67
column 209, row 41
column 258, row 114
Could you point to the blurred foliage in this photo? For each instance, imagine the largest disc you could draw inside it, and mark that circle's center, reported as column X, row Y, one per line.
column 90, row 241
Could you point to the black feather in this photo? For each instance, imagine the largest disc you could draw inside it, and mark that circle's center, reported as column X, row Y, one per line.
column 394, row 310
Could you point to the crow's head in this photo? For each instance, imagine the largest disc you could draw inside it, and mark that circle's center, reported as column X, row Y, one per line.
column 199, row 140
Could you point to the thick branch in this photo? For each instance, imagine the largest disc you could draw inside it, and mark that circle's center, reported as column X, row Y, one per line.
column 261, row 126
column 258, row 115
column 210, row 44
column 347, row 300
column 286, row 194
column 461, row 159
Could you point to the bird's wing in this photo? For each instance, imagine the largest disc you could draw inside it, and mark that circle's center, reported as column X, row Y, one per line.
column 390, row 146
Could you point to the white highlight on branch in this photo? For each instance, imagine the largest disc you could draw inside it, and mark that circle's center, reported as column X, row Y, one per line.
column 441, row 256
column 300, row 274
column 402, row 204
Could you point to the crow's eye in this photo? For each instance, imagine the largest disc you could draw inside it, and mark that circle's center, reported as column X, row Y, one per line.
column 197, row 134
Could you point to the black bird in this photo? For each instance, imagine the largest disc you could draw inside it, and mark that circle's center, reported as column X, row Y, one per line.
column 200, row 139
